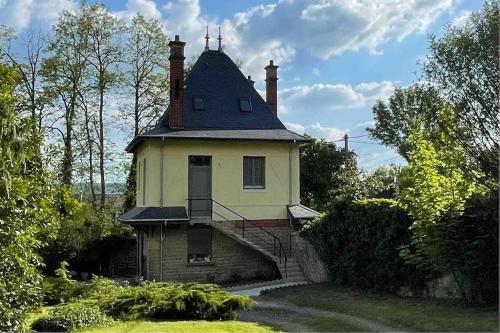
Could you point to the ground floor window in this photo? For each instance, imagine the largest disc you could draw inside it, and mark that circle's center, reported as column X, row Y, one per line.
column 199, row 244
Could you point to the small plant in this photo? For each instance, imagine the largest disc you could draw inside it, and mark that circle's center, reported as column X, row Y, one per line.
column 68, row 317
column 60, row 289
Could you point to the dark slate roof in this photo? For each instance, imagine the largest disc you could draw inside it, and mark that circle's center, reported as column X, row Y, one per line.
column 154, row 214
column 217, row 79
column 302, row 212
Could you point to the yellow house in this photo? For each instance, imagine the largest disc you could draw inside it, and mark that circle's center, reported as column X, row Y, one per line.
column 217, row 179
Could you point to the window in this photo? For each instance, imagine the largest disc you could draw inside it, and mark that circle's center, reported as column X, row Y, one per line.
column 245, row 105
column 199, row 244
column 199, row 104
column 253, row 172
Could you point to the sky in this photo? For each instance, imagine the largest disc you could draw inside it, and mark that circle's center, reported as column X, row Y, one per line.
column 336, row 57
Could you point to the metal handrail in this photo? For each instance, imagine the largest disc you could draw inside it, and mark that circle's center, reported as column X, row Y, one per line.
column 282, row 252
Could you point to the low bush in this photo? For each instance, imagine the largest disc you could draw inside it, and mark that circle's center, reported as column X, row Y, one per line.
column 64, row 318
column 173, row 301
column 360, row 242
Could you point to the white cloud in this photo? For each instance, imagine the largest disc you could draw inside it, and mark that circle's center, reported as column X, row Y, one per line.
column 145, row 7
column 297, row 128
column 20, row 14
column 333, row 97
column 461, row 19
column 318, row 131
column 329, row 133
column 315, row 71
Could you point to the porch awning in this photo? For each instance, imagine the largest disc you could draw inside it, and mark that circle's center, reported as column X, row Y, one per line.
column 302, row 212
column 154, row 214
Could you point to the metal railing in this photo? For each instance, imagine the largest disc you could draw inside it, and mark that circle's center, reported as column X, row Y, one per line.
column 278, row 248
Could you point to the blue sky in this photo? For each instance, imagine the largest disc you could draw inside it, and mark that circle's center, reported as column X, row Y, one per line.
column 336, row 57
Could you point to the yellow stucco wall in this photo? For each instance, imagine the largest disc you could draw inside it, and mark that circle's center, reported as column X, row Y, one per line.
column 227, row 175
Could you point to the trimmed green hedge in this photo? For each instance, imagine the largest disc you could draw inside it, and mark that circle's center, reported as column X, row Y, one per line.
column 360, row 242
column 67, row 317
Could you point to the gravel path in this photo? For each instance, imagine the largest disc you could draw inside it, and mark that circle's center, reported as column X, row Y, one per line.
column 287, row 315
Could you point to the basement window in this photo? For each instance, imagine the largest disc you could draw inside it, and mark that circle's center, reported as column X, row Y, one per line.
column 245, row 105
column 199, row 104
column 254, row 172
column 199, row 244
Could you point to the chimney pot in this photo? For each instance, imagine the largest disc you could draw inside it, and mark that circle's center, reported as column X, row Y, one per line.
column 250, row 80
column 272, row 87
column 176, row 112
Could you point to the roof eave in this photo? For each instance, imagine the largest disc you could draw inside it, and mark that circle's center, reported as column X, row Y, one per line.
column 136, row 141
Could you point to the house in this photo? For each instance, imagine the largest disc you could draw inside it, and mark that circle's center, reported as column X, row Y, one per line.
column 217, row 178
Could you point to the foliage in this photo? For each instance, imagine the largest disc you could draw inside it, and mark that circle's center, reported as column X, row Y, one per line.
column 347, row 182
column 467, row 248
column 408, row 109
column 319, row 161
column 382, row 182
column 433, row 185
column 360, row 241
column 174, row 301
column 82, row 226
column 60, row 289
column 28, row 216
column 64, row 318
column 463, row 65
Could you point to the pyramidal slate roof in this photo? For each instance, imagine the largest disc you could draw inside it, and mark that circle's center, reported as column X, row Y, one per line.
column 218, row 80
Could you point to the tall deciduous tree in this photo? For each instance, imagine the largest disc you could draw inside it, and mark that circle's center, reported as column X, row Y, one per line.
column 63, row 72
column 319, row 161
column 463, row 64
column 146, row 81
column 408, row 109
column 33, row 96
column 104, row 53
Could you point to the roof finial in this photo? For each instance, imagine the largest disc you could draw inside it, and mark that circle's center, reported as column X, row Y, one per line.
column 220, row 41
column 206, row 40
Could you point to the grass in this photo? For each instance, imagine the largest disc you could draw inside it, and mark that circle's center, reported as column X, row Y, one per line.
column 198, row 326
column 415, row 314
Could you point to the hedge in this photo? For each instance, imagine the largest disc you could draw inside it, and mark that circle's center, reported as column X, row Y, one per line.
column 360, row 242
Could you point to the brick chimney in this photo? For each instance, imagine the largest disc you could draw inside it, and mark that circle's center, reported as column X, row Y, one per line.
column 176, row 113
column 272, row 87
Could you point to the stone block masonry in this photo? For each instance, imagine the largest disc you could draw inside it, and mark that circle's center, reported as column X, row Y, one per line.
column 230, row 259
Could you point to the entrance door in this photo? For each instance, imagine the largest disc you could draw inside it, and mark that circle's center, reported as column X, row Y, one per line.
column 200, row 187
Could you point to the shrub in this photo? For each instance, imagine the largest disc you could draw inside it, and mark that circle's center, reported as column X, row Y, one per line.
column 360, row 242
column 72, row 316
column 173, row 301
column 60, row 289
column 469, row 248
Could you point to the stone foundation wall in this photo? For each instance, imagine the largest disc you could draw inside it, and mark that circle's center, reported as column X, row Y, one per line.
column 229, row 259
column 314, row 269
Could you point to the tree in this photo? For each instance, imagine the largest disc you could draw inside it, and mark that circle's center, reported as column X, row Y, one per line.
column 34, row 97
column 319, row 161
column 408, row 109
column 63, row 72
column 382, row 182
column 28, row 216
column 433, row 185
column 103, row 31
column 463, row 64
column 146, row 80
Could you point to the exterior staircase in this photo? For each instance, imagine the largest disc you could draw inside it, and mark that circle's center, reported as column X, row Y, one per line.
column 264, row 244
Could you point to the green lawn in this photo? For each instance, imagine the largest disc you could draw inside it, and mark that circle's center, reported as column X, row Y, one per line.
column 329, row 325
column 198, row 326
column 400, row 312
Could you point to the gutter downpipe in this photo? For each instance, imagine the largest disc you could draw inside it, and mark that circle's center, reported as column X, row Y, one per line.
column 161, row 172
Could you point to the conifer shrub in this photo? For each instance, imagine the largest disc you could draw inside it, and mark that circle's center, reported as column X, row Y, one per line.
column 173, row 301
